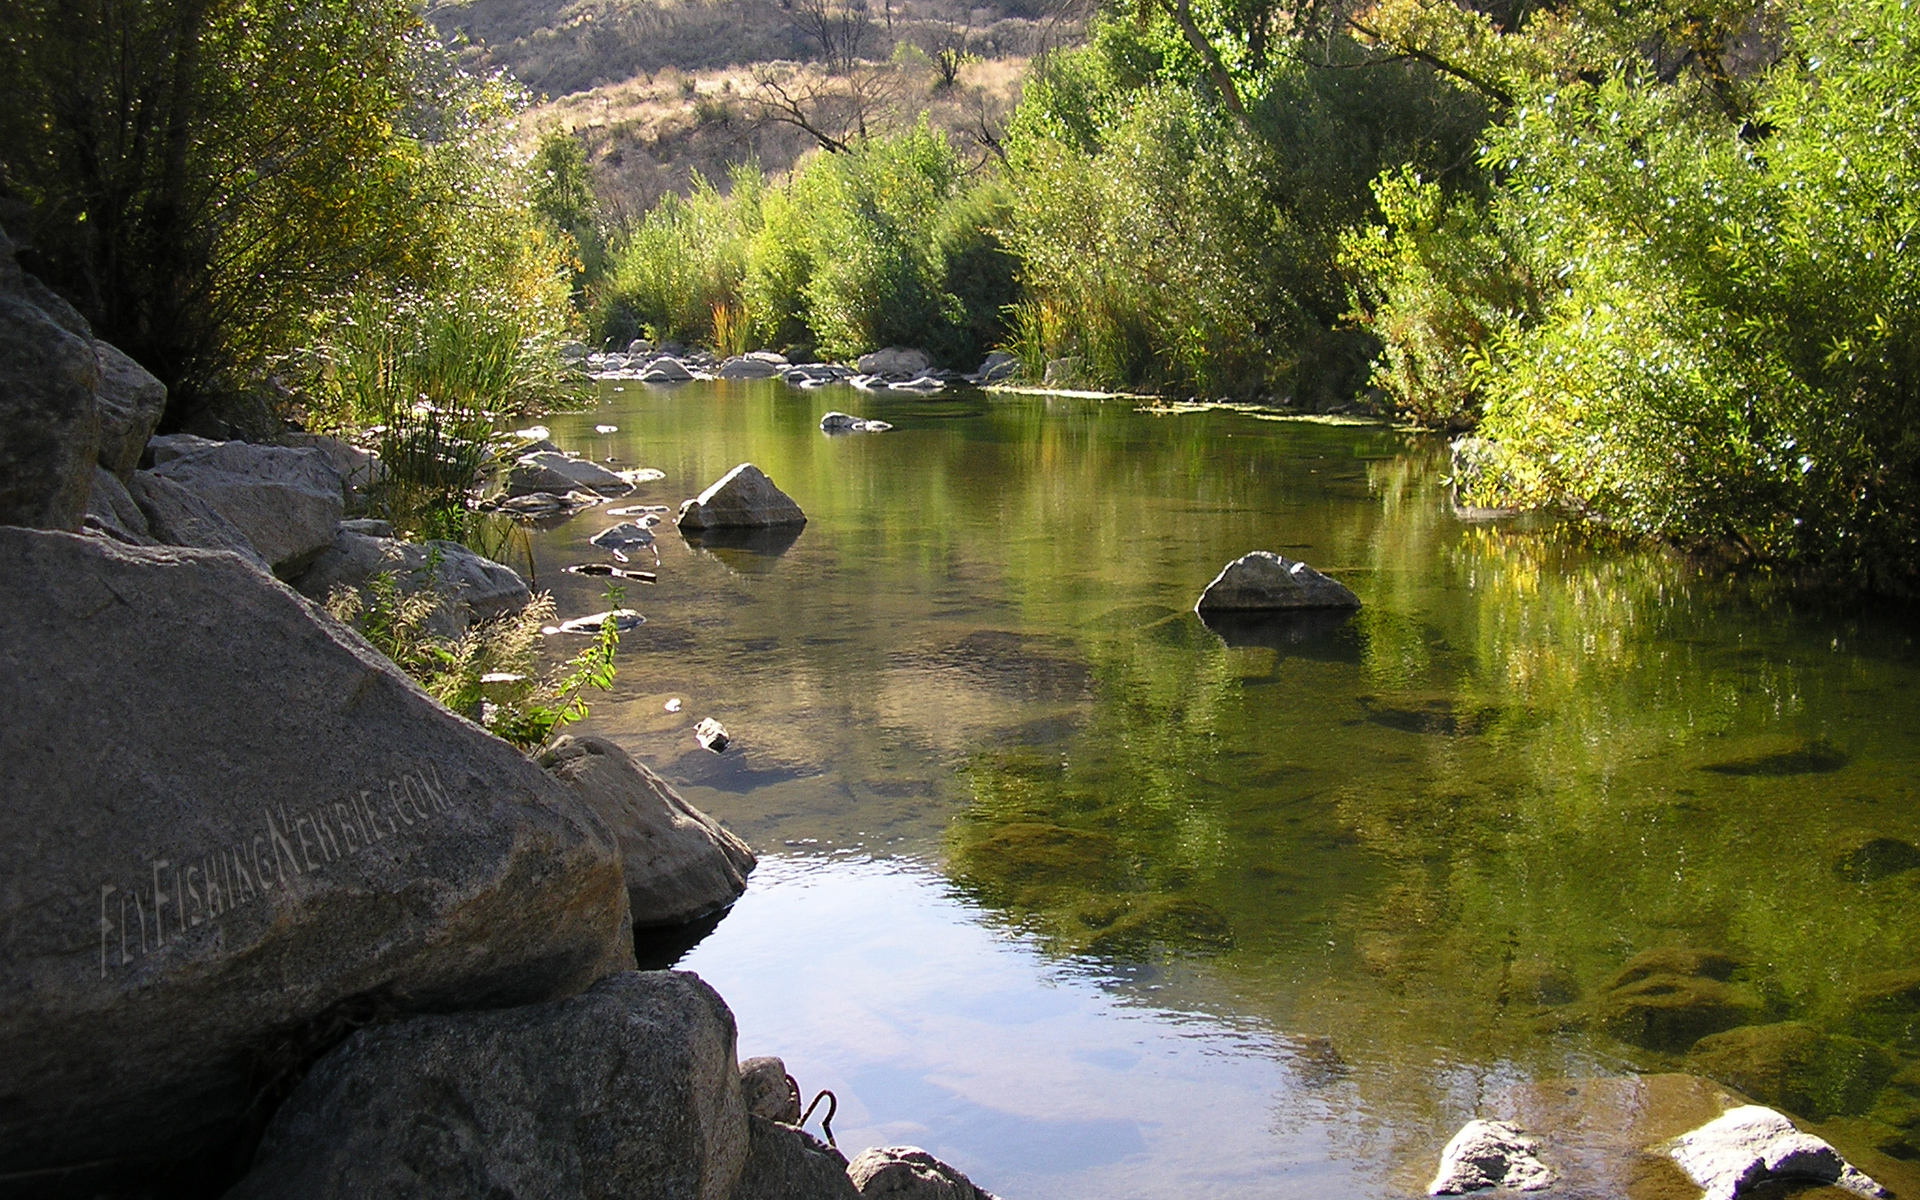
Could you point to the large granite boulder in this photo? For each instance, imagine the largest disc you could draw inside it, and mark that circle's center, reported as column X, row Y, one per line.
column 785, row 1163
column 1267, row 582
column 910, row 1173
column 49, row 415
column 769, row 1091
column 287, row 501
column 626, row 1091
column 552, row 471
column 895, row 360
column 681, row 864
column 471, row 588
column 1744, row 1148
column 131, row 401
column 232, row 829
column 743, row 498
column 178, row 517
column 111, row 510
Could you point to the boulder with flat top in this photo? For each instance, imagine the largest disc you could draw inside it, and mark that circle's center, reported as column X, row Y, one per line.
column 233, row 832
column 286, row 500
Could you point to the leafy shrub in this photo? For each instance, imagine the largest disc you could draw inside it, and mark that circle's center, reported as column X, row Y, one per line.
column 491, row 673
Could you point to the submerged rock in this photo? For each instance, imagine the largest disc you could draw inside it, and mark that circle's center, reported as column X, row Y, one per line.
column 1736, row 1152
column 680, row 863
column 742, row 498
column 1265, row 581
column 1669, row 998
column 286, row 501
column 910, row 1173
column 1796, row 1067
column 1877, row 859
column 1488, row 1154
column 1886, row 1008
column 625, row 1091
column 275, row 834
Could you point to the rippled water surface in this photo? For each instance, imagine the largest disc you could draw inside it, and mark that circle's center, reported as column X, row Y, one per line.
column 1094, row 902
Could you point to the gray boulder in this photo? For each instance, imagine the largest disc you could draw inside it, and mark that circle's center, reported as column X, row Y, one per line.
column 910, row 1173
column 232, row 827
column 471, row 588
column 626, row 1091
column 680, row 863
column 359, row 469
column 624, row 536
column 767, row 1090
column 742, row 498
column 286, row 501
column 895, row 360
column 1490, row 1154
column 49, row 416
column 111, row 511
column 169, row 446
column 1743, row 1148
column 1266, row 582
column 999, row 366
column 178, row 517
column 131, row 402
column 750, row 366
column 551, row 471
column 665, row 369
column 785, row 1163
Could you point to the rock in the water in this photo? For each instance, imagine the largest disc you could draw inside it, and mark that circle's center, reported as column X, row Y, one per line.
column 1876, row 859
column 1263, row 581
column 1669, row 998
column 665, row 370
column 49, row 416
column 998, row 367
column 550, row 471
column 712, row 735
column 131, row 401
column 178, row 517
column 768, row 1090
column 839, row 422
column 742, row 498
column 680, row 863
column 471, row 588
column 275, row 835
column 623, row 619
column 784, row 1163
column 1886, row 1008
column 625, row 536
column 625, row 1091
column 750, row 367
column 1745, row 1147
column 286, row 501
column 895, row 360
column 910, row 1173
column 1488, row 1154
column 1796, row 1067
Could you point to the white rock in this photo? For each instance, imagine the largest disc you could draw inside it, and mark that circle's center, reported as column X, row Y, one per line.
column 1749, row 1145
column 1487, row 1154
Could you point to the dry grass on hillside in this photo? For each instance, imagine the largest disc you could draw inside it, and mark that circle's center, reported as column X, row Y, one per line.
column 646, row 136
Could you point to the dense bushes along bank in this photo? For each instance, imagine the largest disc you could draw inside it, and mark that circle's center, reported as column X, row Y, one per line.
column 1656, row 255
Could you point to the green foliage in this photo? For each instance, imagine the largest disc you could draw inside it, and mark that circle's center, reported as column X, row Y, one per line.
column 1171, row 243
column 490, row 673
column 202, row 176
column 880, row 245
column 1723, row 354
column 562, row 196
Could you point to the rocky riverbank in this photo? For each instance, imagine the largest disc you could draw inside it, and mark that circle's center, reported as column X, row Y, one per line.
column 277, row 922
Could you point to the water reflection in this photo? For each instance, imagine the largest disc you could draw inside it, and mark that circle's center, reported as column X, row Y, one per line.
column 1422, row 839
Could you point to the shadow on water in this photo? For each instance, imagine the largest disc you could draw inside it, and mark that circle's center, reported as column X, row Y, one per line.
column 1322, row 636
column 746, row 551
column 662, row 949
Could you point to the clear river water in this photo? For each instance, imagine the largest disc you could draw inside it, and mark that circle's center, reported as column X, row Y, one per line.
column 1094, row 901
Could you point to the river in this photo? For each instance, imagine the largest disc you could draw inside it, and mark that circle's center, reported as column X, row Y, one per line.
column 1062, row 886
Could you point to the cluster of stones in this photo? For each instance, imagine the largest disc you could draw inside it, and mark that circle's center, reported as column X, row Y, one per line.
column 256, row 878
